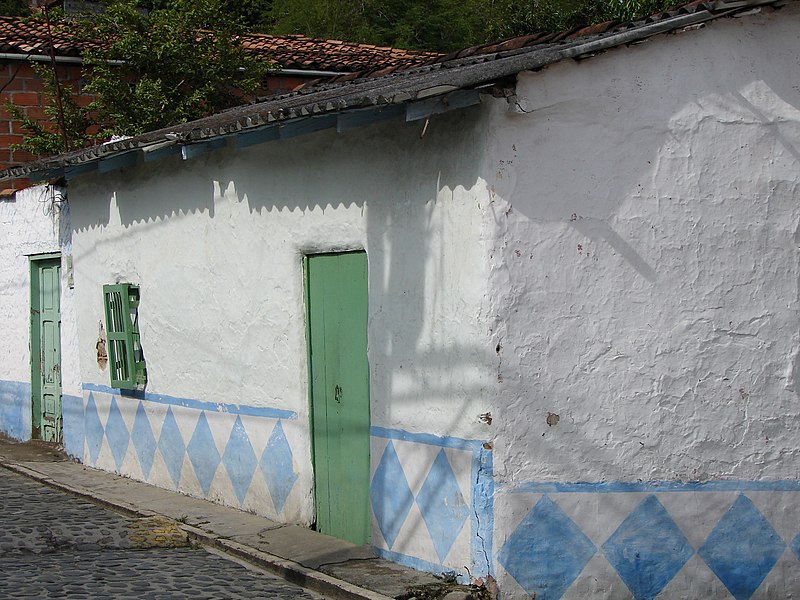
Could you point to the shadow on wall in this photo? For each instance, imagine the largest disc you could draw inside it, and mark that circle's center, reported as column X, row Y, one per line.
column 589, row 139
column 603, row 151
column 397, row 178
column 323, row 172
column 557, row 155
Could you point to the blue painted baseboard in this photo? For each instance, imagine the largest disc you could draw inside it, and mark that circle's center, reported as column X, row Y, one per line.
column 15, row 409
column 73, row 431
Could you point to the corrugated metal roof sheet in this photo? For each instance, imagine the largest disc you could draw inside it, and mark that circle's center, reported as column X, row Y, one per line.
column 434, row 82
column 547, row 38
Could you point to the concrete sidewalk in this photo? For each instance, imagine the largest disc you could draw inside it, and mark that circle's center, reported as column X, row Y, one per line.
column 317, row 562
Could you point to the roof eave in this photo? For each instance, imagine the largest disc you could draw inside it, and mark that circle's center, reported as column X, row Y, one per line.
column 437, row 82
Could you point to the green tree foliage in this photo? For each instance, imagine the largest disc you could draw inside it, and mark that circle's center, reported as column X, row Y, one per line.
column 165, row 66
column 437, row 25
column 510, row 18
column 254, row 15
column 424, row 24
column 178, row 62
column 14, row 8
column 45, row 139
column 446, row 25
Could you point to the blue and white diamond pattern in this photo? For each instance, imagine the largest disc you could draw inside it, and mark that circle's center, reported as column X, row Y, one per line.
column 421, row 501
column 709, row 544
column 242, row 461
column 239, row 459
column 203, row 453
column 144, row 440
column 94, row 429
column 117, row 434
column 742, row 549
column 442, row 505
column 546, row 552
column 172, row 447
column 647, row 549
column 390, row 495
column 276, row 465
column 638, row 545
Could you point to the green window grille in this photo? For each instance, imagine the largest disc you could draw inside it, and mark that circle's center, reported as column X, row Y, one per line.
column 125, row 355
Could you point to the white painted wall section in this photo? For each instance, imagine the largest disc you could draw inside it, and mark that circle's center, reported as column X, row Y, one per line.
column 216, row 246
column 608, row 266
column 33, row 221
column 646, row 270
column 645, row 280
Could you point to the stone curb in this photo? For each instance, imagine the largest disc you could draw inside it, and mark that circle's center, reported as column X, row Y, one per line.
column 286, row 569
column 119, row 506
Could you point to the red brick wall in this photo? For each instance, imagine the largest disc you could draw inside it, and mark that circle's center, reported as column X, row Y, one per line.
column 23, row 87
column 278, row 84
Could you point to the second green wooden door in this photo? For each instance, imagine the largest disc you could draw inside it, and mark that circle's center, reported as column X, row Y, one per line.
column 336, row 291
column 46, row 348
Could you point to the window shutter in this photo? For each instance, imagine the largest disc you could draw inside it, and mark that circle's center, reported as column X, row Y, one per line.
column 126, row 360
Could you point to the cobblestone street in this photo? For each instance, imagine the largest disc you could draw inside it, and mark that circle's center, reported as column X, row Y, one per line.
column 54, row 545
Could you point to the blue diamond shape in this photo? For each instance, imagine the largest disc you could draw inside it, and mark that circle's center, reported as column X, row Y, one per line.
column 171, row 446
column 648, row 549
column 546, row 552
column 276, row 464
column 94, row 429
column 203, row 453
column 796, row 546
column 442, row 506
column 239, row 459
column 742, row 548
column 117, row 433
column 144, row 442
column 390, row 495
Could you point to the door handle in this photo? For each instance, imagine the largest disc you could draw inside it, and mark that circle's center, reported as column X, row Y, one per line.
column 337, row 394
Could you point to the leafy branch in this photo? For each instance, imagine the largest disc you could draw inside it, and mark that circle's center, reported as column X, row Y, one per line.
column 147, row 70
column 47, row 138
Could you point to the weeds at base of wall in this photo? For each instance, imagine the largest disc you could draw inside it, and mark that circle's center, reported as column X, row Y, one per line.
column 446, row 591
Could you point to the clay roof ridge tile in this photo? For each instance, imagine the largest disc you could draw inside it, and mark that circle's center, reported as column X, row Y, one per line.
column 593, row 30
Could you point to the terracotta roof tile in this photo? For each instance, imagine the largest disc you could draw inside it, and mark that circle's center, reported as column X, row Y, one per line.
column 299, row 52
column 290, row 52
column 541, row 39
column 593, row 29
column 355, row 91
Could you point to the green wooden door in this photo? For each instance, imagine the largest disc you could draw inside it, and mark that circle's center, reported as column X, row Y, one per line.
column 336, row 292
column 46, row 348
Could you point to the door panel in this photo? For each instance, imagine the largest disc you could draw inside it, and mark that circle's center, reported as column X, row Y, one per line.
column 337, row 322
column 46, row 348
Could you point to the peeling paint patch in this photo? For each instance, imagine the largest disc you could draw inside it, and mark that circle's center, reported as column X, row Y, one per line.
column 102, row 354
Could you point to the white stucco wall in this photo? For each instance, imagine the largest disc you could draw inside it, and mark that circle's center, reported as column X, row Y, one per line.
column 216, row 245
column 33, row 221
column 608, row 266
column 645, row 280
